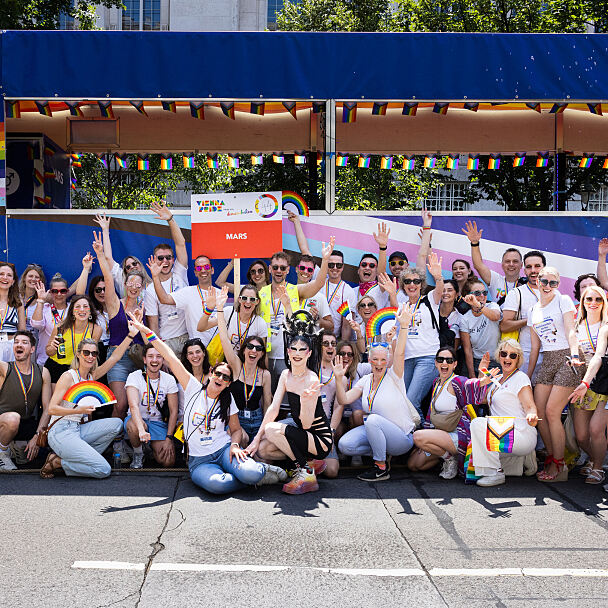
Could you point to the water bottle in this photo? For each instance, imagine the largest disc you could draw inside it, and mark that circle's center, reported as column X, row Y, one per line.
column 117, row 462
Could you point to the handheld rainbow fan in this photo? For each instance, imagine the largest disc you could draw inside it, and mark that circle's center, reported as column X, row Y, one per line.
column 381, row 322
column 95, row 393
column 292, row 201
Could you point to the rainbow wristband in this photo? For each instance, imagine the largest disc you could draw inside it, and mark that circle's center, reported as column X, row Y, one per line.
column 207, row 311
column 151, row 337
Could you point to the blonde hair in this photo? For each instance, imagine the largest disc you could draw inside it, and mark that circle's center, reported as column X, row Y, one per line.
column 85, row 342
column 582, row 311
column 515, row 345
column 549, row 270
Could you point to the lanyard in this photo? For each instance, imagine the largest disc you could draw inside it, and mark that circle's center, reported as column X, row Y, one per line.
column 372, row 392
column 414, row 311
column 437, row 391
column 495, row 388
column 206, row 423
column 248, row 393
column 150, row 390
column 334, row 292
column 243, row 335
column 275, row 311
column 22, row 383
column 593, row 344
column 530, row 290
column 328, row 380
column 4, row 316
column 57, row 318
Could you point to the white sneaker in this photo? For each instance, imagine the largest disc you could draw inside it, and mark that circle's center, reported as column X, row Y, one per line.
column 18, row 452
column 273, row 474
column 6, row 464
column 138, row 461
column 492, row 480
column 530, row 464
column 449, row 469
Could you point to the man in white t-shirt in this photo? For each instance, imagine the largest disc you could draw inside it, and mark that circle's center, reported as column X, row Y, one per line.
column 190, row 300
column 152, row 396
column 166, row 320
column 498, row 285
column 315, row 304
column 520, row 300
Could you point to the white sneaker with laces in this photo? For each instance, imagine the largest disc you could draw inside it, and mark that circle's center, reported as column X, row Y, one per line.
column 6, row 464
column 492, row 480
column 449, row 469
column 138, row 461
column 273, row 474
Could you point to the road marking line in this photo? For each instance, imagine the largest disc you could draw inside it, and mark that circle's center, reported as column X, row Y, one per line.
column 475, row 572
column 215, row 568
column 109, row 565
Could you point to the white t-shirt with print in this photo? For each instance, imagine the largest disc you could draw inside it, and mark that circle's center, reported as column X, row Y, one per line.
column 529, row 297
column 504, row 401
column 422, row 337
column 190, row 300
column 380, row 297
column 336, row 294
column 499, row 286
column 197, row 407
column 548, row 322
column 587, row 340
column 159, row 389
column 171, row 321
column 484, row 334
column 258, row 327
column 454, row 322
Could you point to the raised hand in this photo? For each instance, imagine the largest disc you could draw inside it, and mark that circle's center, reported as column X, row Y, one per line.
column 381, row 237
column 154, row 267
column 310, row 395
column 281, row 292
column 97, row 244
column 41, row 292
column 133, row 331
column 87, row 261
column 472, row 301
column 473, row 234
column 327, row 249
column 293, row 217
column 103, row 220
column 387, row 284
column 404, row 315
column 427, row 218
column 485, row 360
column 434, row 265
column 354, row 326
column 218, row 300
column 135, row 322
column 338, row 366
column 161, row 210
column 602, row 247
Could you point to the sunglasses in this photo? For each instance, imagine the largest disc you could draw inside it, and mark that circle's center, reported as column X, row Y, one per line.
column 397, row 263
column 383, row 344
column 248, row 299
column 546, row 282
column 134, row 265
column 280, row 267
column 62, row 291
column 345, row 354
column 478, row 293
column 592, row 299
column 161, row 258
column 367, row 305
column 326, row 343
column 293, row 349
column 257, row 347
column 134, row 285
column 99, row 289
column 89, row 353
column 448, row 360
column 337, row 265
column 222, row 375
column 504, row 354
column 203, row 267
column 257, row 271
column 368, row 265
column 306, row 268
column 414, row 281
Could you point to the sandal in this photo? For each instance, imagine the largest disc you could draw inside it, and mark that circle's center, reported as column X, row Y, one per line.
column 546, row 464
column 586, row 469
column 48, row 469
column 595, row 476
column 560, row 475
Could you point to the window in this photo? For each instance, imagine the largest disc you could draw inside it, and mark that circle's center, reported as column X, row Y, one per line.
column 449, row 197
column 598, row 201
column 152, row 14
column 66, row 22
column 130, row 15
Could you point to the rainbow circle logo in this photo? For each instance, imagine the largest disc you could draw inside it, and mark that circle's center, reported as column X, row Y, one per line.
column 266, row 205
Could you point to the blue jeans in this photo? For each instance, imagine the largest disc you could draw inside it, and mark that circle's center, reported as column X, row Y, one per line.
column 216, row 474
column 252, row 424
column 80, row 445
column 418, row 375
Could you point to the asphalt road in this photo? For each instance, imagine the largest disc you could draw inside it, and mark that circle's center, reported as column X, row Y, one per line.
column 154, row 540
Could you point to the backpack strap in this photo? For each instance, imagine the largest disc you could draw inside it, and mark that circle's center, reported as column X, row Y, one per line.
column 434, row 323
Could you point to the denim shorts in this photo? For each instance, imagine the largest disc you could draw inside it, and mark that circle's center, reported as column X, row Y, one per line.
column 251, row 424
column 122, row 368
column 157, row 428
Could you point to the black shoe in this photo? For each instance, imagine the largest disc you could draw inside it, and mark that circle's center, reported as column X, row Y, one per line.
column 375, row 474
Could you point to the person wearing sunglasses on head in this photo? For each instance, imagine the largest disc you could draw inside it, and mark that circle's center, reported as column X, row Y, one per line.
column 257, row 274
column 551, row 321
column 370, row 266
column 582, row 282
column 316, row 305
column 479, row 327
column 212, row 431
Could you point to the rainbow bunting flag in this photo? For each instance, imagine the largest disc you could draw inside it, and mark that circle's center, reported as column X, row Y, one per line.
column 341, row 160
column 30, row 152
column 166, row 162
column 257, row 159
column 45, row 200
column 105, row 108
column 188, row 162
column 143, row 163
column 595, row 108
column 429, row 162
column 169, row 106
column 344, row 309
column 379, row 108
column 441, row 108
column 409, row 108
column 38, row 178
column 586, row 161
column 558, row 108
column 494, row 161
column 227, row 108
column 257, row 108
column 197, row 110
column 320, row 158
column 500, row 434
column 349, row 111
column 605, row 165
column 49, row 150
column 234, row 161
column 472, row 105
column 12, row 109
column 386, row 162
column 473, row 162
column 408, row 163
column 519, row 160
column 74, row 108
column 363, row 163
column 76, row 160
column 49, row 175
column 299, row 158
column 534, row 105
column 278, row 158
column 44, row 107
column 452, row 161
column 469, row 467
column 318, row 106
column 542, row 159
column 121, row 161
column 139, row 106
column 212, row 161
column 73, row 183
column 102, row 159
column 290, row 106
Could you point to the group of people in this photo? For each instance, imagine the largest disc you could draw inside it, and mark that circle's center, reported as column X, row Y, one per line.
column 286, row 383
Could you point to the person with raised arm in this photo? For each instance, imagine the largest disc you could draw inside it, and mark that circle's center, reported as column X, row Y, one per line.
column 317, row 304
column 371, row 266
column 257, row 274
column 498, row 285
column 390, row 417
column 449, row 317
column 602, row 273
column 216, row 461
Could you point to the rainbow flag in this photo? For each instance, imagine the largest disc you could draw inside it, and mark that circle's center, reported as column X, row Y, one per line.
column 12, row 109
column 469, row 467
column 494, row 161
column 169, row 106
column 473, row 162
column 73, row 183
column 363, row 163
column 452, row 161
column 234, row 161
column 319, row 158
column 49, row 175
column 278, row 158
column 379, row 108
column 102, row 159
column 595, row 108
column 76, row 160
column 121, row 161
column 344, row 309
column 472, row 105
column 558, row 108
column 519, row 160
column 441, row 108
column 30, row 152
column 166, row 162
column 534, row 105
column 44, row 107
column 188, row 162
column 542, row 160
column 257, row 159
column 212, row 161
column 586, row 161
column 38, row 178
column 143, row 163
column 341, row 160
column 49, row 150
column 46, row 200
column 500, row 434
column 105, row 108
column 227, row 108
column 197, row 110
column 74, row 108
column 409, row 108
column 318, row 106
column 290, row 106
column 386, row 162
column 408, row 163
column 299, row 158
column 605, row 165
column 257, row 107
column 429, row 162
column 349, row 111
column 139, row 106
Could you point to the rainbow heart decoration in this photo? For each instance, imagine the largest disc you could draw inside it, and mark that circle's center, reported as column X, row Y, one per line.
column 293, row 199
column 378, row 320
column 89, row 388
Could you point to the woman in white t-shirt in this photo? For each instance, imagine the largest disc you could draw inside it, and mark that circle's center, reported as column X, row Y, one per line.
column 552, row 322
column 390, row 417
column 512, row 398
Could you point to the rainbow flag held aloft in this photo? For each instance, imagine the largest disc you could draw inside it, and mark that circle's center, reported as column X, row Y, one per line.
column 74, row 108
column 38, row 178
column 227, row 108
column 558, row 108
column 363, row 163
column 349, row 111
column 169, row 106
column 494, row 161
column 341, row 160
column 166, row 162
column 121, row 161
column 143, row 163
column 519, row 160
column 534, row 105
column 139, row 106
column 469, row 467
column 605, row 165
column 299, row 158
column 595, row 108
column 188, row 162
column 386, row 162
column 234, row 161
column 586, row 161
column 500, row 434
column 429, row 162
column 452, row 161
column 473, row 162
column 290, row 106
column 12, row 109
column 344, row 309
column 318, row 106
column 472, row 105
column 441, row 108
column 257, row 108
column 409, row 162
column 542, row 159
column 44, row 107
column 212, row 161
column 278, row 158
column 197, row 110
column 257, row 159
column 105, row 108
column 379, row 108
column 410, row 108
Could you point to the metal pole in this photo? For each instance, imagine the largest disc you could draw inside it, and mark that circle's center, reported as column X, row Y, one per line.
column 330, row 156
